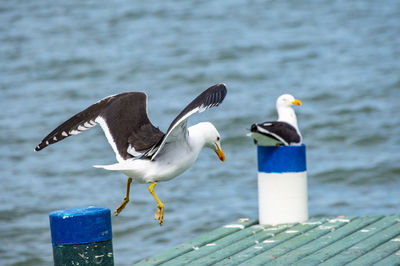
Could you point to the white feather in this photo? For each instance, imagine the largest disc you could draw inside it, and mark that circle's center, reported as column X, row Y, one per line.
column 109, row 137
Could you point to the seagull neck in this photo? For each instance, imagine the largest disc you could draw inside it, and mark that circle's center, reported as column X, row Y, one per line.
column 195, row 138
column 287, row 114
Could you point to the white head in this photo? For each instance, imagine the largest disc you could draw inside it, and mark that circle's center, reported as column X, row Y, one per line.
column 286, row 100
column 284, row 105
column 210, row 137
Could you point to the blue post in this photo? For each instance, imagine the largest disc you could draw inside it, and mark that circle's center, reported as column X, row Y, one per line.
column 82, row 236
column 282, row 184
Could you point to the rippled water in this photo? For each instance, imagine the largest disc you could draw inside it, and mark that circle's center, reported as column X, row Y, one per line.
column 341, row 59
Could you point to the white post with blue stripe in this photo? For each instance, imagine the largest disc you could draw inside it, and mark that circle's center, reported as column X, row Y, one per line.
column 282, row 184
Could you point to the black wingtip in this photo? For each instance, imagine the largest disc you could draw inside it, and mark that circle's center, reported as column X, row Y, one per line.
column 253, row 128
column 222, row 91
column 218, row 86
column 38, row 147
column 221, row 86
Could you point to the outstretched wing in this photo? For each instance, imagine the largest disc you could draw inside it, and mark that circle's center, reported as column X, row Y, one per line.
column 213, row 96
column 279, row 131
column 123, row 118
column 76, row 124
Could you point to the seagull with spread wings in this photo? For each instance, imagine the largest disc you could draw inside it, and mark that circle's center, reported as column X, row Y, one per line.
column 144, row 153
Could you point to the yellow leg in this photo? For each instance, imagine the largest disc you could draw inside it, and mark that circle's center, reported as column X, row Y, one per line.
column 126, row 199
column 160, row 210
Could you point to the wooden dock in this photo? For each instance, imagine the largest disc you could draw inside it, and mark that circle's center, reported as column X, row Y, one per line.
column 319, row 241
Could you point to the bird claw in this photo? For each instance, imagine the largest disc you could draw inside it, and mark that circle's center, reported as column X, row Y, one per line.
column 121, row 206
column 159, row 214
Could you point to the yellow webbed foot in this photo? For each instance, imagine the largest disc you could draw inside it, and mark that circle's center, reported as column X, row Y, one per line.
column 121, row 206
column 126, row 198
column 159, row 214
column 160, row 208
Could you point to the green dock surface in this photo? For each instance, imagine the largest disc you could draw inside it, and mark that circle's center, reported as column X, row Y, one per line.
column 319, row 241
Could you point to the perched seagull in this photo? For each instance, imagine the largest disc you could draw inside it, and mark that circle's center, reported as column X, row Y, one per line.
column 143, row 152
column 284, row 131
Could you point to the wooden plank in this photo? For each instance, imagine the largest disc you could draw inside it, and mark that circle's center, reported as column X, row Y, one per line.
column 234, row 247
column 392, row 260
column 379, row 237
column 325, row 240
column 352, row 241
column 380, row 254
column 216, row 245
column 345, row 243
column 282, row 245
column 237, row 252
column 254, row 242
column 198, row 242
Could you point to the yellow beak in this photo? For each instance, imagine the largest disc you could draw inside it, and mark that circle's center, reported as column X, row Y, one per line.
column 296, row 102
column 220, row 153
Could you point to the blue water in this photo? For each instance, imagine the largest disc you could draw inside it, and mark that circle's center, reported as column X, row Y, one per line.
column 340, row 58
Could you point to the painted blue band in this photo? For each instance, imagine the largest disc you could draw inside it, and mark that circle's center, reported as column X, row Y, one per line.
column 80, row 225
column 281, row 159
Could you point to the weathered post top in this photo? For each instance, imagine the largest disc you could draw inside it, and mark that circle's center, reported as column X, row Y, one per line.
column 82, row 235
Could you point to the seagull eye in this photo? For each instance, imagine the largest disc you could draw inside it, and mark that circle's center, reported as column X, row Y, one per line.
column 218, row 138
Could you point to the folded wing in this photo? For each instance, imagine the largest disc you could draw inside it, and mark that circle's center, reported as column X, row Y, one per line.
column 282, row 132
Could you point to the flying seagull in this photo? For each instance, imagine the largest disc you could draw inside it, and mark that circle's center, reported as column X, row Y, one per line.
column 144, row 153
column 284, row 131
